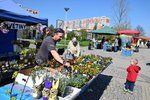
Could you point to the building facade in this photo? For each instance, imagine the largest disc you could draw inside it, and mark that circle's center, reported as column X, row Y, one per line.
column 88, row 23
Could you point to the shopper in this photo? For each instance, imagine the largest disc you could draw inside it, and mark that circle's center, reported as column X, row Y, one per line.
column 73, row 47
column 132, row 73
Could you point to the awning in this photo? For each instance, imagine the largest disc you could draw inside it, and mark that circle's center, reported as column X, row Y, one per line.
column 105, row 31
column 10, row 11
column 129, row 32
column 142, row 37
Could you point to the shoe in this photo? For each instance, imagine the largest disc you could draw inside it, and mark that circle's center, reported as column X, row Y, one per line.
column 125, row 90
column 130, row 92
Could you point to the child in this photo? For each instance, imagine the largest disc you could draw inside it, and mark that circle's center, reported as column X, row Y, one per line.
column 132, row 70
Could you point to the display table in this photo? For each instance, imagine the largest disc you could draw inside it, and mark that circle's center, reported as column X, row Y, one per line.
column 27, row 95
column 17, row 90
column 79, row 78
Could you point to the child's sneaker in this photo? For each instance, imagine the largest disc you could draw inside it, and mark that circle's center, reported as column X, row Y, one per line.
column 131, row 92
column 125, row 90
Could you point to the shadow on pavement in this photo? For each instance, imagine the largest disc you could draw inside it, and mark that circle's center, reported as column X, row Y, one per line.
column 95, row 89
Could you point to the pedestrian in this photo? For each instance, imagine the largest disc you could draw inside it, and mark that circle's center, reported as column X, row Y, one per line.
column 148, row 44
column 94, row 42
column 38, row 32
column 90, row 45
column 116, row 45
column 119, row 43
column 48, row 51
column 132, row 73
column 102, row 42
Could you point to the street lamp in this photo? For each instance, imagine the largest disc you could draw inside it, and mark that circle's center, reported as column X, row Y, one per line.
column 66, row 11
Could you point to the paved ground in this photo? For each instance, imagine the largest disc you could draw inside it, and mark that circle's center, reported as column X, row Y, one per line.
column 110, row 83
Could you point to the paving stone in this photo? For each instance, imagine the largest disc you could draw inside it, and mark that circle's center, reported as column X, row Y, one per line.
column 117, row 71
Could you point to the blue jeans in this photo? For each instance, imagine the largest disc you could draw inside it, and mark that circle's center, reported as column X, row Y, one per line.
column 115, row 48
column 129, row 85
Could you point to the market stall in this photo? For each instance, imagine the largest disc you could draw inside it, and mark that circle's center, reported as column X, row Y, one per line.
column 12, row 18
column 127, row 36
column 128, row 42
column 142, row 41
column 104, row 32
column 65, row 85
column 10, row 11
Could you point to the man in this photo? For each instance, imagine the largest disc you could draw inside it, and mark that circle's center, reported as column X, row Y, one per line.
column 48, row 49
column 148, row 44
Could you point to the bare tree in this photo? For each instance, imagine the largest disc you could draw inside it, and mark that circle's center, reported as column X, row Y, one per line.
column 121, row 20
column 141, row 30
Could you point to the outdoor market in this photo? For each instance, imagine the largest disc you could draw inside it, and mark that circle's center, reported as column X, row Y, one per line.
column 25, row 74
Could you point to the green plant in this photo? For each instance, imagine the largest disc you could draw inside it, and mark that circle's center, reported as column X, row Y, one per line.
column 78, row 80
column 70, row 35
column 83, row 35
column 84, row 43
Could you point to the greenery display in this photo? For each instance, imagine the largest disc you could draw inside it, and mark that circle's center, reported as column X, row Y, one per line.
column 27, row 59
column 90, row 64
column 78, row 80
column 81, row 71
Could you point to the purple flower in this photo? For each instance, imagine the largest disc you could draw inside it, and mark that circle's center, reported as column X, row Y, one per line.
column 45, row 98
column 47, row 84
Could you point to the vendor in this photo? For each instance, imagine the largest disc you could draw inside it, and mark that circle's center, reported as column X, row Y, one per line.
column 48, row 51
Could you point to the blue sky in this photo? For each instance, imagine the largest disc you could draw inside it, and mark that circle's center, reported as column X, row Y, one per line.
column 138, row 12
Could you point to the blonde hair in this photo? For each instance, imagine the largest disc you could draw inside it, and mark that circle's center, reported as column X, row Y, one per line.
column 135, row 61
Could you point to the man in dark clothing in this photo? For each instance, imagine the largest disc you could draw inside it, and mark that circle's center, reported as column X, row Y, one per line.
column 102, row 42
column 119, row 43
column 48, row 46
column 148, row 44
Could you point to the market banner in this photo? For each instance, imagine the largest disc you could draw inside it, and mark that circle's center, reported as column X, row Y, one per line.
column 6, row 45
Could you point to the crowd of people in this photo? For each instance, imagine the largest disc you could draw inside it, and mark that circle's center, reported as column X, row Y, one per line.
column 117, row 44
column 106, row 44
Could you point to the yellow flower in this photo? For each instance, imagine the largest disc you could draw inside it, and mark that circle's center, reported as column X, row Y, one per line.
column 15, row 74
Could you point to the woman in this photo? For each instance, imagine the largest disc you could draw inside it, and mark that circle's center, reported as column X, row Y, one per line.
column 73, row 49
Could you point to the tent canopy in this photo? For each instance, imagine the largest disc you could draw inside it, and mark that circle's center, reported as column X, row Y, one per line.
column 142, row 37
column 10, row 11
column 129, row 32
column 105, row 31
